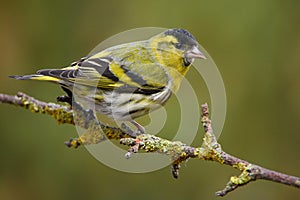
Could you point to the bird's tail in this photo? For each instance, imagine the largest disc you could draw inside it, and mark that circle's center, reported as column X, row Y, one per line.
column 67, row 74
column 38, row 77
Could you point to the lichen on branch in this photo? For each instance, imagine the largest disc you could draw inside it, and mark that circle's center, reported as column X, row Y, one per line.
column 176, row 150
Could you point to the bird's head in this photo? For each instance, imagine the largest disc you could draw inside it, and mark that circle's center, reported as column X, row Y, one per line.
column 176, row 48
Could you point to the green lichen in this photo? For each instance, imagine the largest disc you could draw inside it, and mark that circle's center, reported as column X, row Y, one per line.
column 244, row 177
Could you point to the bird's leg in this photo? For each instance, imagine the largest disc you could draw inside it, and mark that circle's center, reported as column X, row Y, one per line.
column 65, row 98
column 140, row 128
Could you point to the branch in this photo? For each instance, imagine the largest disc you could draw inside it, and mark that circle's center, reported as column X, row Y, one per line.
column 178, row 151
column 75, row 115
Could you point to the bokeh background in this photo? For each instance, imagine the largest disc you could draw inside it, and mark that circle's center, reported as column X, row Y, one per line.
column 256, row 45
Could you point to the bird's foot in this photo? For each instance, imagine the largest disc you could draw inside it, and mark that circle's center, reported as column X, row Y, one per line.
column 140, row 129
column 133, row 133
column 64, row 99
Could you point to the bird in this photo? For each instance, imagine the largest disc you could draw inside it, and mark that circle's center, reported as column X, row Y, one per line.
column 129, row 80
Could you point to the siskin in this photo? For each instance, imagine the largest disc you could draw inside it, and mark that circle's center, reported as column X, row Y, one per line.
column 128, row 80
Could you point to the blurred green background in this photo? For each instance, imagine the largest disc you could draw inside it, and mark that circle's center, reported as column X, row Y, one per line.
column 256, row 45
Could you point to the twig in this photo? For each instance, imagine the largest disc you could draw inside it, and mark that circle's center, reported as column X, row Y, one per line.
column 249, row 172
column 178, row 151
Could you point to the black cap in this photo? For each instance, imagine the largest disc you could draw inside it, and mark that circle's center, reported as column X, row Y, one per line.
column 182, row 35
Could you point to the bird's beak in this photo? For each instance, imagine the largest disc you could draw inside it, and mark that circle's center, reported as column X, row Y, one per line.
column 195, row 53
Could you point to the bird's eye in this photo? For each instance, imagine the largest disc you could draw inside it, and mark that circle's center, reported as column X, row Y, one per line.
column 178, row 45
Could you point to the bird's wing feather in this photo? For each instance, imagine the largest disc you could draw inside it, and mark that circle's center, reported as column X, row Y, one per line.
column 123, row 70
